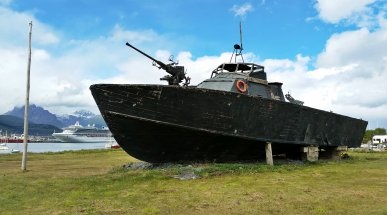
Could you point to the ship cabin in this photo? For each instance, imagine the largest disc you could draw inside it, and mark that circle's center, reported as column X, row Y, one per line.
column 246, row 78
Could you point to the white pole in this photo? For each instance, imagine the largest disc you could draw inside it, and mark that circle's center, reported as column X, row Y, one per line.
column 24, row 160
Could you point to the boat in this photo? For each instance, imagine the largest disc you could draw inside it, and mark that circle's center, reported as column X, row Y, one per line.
column 83, row 134
column 231, row 116
column 4, row 149
column 13, row 138
column 112, row 144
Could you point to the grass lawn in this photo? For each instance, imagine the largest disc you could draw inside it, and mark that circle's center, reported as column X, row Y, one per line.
column 94, row 182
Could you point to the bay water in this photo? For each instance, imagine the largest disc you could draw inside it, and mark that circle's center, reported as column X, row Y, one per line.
column 56, row 147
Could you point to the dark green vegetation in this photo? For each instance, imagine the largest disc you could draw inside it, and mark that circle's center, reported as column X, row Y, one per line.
column 13, row 124
column 94, row 182
column 370, row 133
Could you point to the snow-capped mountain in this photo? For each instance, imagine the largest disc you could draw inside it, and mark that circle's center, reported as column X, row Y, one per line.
column 41, row 116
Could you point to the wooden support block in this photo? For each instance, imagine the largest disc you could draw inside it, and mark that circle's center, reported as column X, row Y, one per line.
column 269, row 154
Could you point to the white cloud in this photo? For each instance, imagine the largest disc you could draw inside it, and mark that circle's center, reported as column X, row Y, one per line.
column 17, row 29
column 119, row 34
column 242, row 10
column 335, row 11
column 323, row 73
column 5, row 2
column 363, row 84
column 358, row 46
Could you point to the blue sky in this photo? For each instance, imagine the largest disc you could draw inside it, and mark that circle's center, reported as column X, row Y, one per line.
column 271, row 28
column 331, row 54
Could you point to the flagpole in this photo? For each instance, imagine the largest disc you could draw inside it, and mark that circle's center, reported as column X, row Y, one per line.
column 25, row 141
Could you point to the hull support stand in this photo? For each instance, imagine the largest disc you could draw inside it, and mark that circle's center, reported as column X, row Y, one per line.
column 310, row 153
column 269, row 154
column 334, row 153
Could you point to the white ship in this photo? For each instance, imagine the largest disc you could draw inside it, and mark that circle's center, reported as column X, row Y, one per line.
column 83, row 134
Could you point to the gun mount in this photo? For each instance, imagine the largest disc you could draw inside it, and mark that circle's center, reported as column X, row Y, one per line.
column 176, row 73
column 293, row 100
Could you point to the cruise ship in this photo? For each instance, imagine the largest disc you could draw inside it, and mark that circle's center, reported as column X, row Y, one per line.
column 83, row 134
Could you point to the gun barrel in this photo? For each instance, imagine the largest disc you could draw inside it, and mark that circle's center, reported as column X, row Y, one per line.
column 163, row 66
column 177, row 73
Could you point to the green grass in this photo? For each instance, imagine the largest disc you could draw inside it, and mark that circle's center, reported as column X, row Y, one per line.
column 94, row 182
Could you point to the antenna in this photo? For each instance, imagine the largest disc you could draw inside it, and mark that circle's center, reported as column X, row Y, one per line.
column 240, row 35
column 238, row 47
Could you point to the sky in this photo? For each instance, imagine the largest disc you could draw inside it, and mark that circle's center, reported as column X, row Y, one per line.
column 331, row 54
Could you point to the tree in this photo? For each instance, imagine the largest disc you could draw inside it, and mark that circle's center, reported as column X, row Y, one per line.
column 380, row 131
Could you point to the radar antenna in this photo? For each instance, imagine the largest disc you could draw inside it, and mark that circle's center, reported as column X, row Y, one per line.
column 238, row 48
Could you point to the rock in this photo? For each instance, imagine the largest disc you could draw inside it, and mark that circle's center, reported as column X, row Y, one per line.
column 186, row 176
column 138, row 165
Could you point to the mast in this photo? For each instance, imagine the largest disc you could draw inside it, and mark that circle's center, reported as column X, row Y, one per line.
column 238, row 48
column 25, row 141
column 240, row 36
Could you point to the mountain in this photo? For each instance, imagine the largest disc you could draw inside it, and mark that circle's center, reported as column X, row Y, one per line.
column 36, row 115
column 39, row 115
column 15, row 125
column 71, row 119
column 84, row 114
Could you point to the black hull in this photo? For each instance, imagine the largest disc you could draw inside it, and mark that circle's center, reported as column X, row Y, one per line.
column 158, row 123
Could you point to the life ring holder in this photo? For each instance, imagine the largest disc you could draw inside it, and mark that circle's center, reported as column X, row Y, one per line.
column 241, row 86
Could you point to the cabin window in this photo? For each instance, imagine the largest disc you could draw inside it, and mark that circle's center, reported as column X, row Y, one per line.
column 225, row 85
column 258, row 90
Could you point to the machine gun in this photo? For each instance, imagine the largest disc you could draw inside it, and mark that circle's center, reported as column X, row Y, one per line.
column 176, row 73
